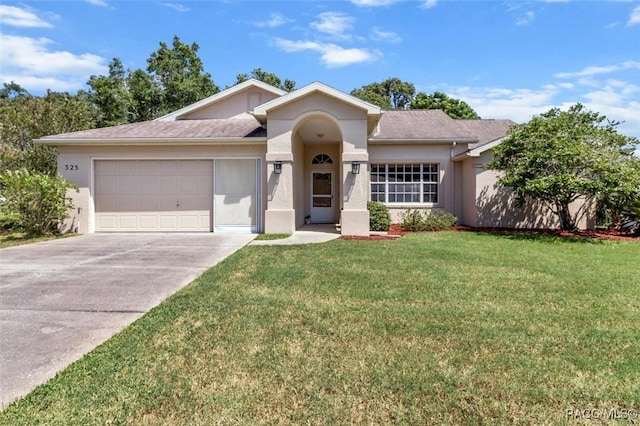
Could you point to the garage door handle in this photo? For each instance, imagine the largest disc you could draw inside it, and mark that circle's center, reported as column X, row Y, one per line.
column 178, row 203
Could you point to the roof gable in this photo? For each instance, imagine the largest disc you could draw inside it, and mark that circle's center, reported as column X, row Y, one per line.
column 220, row 97
column 261, row 111
column 490, row 134
column 487, row 130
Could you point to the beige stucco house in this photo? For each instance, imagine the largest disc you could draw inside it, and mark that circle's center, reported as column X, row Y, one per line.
column 254, row 158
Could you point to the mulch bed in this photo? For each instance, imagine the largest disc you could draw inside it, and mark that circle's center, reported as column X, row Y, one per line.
column 600, row 234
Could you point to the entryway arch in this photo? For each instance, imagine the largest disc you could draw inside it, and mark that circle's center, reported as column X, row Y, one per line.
column 317, row 148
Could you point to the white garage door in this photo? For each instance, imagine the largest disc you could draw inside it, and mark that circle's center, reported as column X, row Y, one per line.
column 236, row 203
column 153, row 195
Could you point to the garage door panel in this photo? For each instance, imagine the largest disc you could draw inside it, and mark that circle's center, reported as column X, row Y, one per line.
column 107, row 203
column 167, row 222
column 198, row 168
column 148, row 222
column 107, row 186
column 128, row 222
column 167, row 203
column 190, row 185
column 107, row 222
column 106, row 168
column 149, row 185
column 146, row 204
column 127, row 168
column 193, row 203
column 167, row 184
column 190, row 222
column 235, row 210
column 126, row 184
column 127, row 203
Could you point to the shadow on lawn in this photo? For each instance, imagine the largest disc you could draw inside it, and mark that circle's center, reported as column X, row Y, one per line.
column 552, row 239
column 541, row 236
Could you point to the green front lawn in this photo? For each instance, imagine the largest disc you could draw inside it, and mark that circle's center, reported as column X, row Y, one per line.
column 438, row 328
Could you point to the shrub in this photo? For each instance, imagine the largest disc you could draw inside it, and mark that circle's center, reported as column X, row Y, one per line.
column 38, row 200
column 379, row 216
column 425, row 220
column 439, row 220
column 412, row 220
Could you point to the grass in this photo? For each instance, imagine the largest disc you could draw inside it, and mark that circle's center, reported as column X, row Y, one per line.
column 269, row 237
column 17, row 238
column 437, row 328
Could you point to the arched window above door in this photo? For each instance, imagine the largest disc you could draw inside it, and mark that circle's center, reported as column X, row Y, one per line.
column 322, row 159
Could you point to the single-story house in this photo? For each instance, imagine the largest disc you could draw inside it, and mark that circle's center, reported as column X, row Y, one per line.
column 254, row 158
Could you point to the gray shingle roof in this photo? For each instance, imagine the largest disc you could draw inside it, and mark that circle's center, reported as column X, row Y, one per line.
column 420, row 125
column 427, row 125
column 243, row 127
column 486, row 130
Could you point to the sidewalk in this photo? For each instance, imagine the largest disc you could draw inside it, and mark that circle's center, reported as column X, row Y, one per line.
column 307, row 234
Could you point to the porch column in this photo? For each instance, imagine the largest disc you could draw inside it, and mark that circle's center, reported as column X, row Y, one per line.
column 280, row 216
column 354, row 218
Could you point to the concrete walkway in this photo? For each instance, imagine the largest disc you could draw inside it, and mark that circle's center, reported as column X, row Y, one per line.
column 308, row 234
column 60, row 299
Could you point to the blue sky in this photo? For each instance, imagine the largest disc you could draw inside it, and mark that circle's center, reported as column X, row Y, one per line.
column 507, row 59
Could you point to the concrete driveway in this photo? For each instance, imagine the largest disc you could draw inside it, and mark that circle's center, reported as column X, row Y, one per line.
column 60, row 299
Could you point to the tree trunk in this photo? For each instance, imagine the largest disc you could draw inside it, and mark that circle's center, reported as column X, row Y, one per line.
column 567, row 222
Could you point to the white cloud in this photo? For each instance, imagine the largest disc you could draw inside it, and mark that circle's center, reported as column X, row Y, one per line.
column 526, row 19
column 388, row 36
column 177, row 6
column 16, row 17
column 275, row 20
column 336, row 24
column 374, row 3
column 428, row 4
column 634, row 19
column 595, row 70
column 102, row 3
column 332, row 55
column 617, row 99
column 496, row 102
column 31, row 63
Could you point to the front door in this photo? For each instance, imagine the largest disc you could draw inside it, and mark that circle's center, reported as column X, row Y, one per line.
column 322, row 210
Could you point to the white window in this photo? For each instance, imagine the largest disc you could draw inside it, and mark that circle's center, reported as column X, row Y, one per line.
column 405, row 183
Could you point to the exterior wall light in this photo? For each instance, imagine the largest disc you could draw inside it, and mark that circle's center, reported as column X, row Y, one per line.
column 355, row 167
column 277, row 167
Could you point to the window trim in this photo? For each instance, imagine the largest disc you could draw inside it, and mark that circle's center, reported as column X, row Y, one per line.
column 422, row 184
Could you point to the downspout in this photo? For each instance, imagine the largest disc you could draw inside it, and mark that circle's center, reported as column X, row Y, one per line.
column 453, row 178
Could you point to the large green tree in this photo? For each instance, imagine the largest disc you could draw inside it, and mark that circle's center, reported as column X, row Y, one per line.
column 560, row 157
column 267, row 77
column 454, row 108
column 391, row 93
column 26, row 117
column 173, row 79
column 110, row 94
column 180, row 74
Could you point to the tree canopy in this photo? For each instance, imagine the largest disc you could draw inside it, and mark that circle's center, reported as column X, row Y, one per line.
column 454, row 108
column 563, row 156
column 179, row 72
column 391, row 93
column 394, row 93
column 267, row 77
column 25, row 117
column 173, row 79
